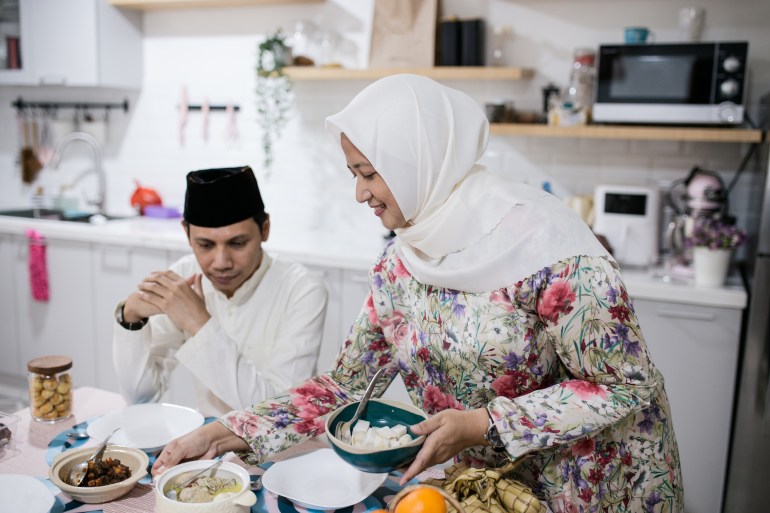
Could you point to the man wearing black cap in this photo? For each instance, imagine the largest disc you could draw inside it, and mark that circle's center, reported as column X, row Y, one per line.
column 245, row 324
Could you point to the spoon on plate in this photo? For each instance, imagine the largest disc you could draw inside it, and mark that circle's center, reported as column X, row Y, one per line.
column 79, row 471
column 343, row 430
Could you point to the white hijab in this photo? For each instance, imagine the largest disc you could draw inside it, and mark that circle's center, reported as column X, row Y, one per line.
column 470, row 229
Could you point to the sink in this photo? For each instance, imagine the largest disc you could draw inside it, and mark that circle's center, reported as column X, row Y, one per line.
column 53, row 215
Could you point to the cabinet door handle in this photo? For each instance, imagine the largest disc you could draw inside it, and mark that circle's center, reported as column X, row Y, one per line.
column 53, row 80
column 356, row 278
column 683, row 314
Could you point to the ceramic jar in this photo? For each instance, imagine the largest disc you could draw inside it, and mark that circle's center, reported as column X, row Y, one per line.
column 711, row 266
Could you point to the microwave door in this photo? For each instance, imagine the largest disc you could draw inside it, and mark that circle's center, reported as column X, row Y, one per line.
column 656, row 74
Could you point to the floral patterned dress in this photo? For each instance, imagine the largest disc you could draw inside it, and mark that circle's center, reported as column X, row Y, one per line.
column 557, row 358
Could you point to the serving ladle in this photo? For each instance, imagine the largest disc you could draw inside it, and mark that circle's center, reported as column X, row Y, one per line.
column 79, row 471
column 343, row 430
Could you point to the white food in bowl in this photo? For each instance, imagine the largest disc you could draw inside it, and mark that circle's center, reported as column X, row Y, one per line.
column 385, row 437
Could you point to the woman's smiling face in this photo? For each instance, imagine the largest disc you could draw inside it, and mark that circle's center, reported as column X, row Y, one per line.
column 371, row 188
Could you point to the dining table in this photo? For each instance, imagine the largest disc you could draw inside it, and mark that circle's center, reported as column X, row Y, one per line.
column 36, row 444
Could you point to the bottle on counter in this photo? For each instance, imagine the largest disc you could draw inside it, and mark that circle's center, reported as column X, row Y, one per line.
column 50, row 388
column 580, row 93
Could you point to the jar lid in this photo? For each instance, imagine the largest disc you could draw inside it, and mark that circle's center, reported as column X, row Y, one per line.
column 49, row 364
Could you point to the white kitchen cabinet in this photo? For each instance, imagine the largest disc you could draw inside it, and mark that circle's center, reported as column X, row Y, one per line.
column 63, row 324
column 10, row 363
column 696, row 349
column 333, row 333
column 117, row 273
column 78, row 43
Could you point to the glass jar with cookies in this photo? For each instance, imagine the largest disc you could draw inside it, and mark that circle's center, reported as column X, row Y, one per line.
column 50, row 388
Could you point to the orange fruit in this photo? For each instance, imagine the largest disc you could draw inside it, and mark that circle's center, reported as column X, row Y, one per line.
column 379, row 511
column 422, row 500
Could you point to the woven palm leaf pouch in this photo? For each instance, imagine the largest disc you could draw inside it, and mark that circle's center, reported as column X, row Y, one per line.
column 485, row 490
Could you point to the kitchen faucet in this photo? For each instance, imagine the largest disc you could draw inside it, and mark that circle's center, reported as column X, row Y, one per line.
column 91, row 141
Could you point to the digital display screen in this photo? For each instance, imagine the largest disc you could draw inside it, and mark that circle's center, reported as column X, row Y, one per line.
column 630, row 204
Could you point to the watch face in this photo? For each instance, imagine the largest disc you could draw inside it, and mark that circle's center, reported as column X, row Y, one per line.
column 493, row 437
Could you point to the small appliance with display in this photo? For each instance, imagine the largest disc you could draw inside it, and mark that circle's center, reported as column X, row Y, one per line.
column 628, row 217
column 677, row 83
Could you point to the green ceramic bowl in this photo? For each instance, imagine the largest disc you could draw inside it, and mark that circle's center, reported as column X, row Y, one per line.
column 379, row 413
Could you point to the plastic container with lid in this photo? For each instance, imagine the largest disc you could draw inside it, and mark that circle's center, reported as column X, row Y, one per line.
column 50, row 388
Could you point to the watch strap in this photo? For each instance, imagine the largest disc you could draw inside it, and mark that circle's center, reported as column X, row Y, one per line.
column 132, row 326
column 492, row 436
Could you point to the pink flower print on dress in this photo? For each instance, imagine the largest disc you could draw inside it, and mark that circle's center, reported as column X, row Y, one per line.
column 557, row 299
column 584, row 389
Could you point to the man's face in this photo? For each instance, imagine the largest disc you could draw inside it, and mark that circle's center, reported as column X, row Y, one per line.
column 229, row 255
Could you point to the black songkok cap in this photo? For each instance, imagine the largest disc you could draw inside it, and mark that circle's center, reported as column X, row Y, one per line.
column 221, row 197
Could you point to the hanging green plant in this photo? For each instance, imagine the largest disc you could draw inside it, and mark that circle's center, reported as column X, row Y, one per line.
column 274, row 92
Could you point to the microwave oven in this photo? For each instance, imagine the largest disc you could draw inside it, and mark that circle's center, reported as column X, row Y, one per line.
column 677, row 83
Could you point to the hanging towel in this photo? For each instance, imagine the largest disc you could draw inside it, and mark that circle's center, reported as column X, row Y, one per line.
column 38, row 268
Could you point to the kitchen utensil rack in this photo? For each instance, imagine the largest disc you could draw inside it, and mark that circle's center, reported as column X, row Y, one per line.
column 236, row 108
column 21, row 105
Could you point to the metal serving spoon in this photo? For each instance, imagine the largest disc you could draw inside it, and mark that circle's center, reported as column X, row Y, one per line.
column 79, row 471
column 77, row 435
column 174, row 491
column 343, row 430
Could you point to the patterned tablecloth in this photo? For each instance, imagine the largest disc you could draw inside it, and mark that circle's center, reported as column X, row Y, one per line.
column 37, row 444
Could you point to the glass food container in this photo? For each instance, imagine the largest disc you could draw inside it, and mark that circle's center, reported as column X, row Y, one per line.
column 50, row 388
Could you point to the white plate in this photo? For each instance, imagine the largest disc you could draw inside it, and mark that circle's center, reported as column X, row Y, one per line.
column 146, row 426
column 320, row 480
column 24, row 494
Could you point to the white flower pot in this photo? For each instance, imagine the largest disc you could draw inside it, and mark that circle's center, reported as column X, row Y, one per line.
column 711, row 266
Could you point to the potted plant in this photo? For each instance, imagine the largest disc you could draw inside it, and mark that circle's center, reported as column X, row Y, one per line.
column 274, row 91
column 713, row 242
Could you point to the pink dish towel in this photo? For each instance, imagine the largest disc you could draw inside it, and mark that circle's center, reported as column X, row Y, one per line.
column 38, row 268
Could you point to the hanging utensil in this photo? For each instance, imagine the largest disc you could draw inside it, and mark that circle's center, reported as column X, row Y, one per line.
column 30, row 164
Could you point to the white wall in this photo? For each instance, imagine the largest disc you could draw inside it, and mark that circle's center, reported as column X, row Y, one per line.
column 213, row 53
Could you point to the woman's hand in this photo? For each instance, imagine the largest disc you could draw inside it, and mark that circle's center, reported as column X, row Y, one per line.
column 449, row 432
column 205, row 442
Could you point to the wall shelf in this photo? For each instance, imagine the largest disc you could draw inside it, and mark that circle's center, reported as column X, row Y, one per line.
column 439, row 73
column 649, row 133
column 149, row 5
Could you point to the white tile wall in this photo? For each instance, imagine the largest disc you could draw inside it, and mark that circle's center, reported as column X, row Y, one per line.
column 213, row 53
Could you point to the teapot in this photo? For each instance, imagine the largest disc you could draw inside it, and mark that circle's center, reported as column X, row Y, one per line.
column 144, row 197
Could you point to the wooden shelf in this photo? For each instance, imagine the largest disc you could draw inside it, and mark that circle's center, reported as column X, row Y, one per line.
column 149, row 5
column 439, row 73
column 650, row 133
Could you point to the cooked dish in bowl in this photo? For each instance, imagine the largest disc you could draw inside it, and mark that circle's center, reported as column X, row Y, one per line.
column 228, row 492
column 205, row 488
column 136, row 462
column 379, row 413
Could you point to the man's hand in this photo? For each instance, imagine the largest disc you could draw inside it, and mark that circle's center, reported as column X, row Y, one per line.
column 449, row 432
column 205, row 442
column 168, row 293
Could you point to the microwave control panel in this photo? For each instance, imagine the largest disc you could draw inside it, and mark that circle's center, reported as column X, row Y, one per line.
column 730, row 76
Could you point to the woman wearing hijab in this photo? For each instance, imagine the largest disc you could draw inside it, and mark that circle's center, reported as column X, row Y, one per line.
column 507, row 320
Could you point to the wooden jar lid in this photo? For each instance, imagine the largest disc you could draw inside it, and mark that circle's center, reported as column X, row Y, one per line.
column 49, row 364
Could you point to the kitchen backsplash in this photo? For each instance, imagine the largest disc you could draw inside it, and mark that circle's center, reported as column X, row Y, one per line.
column 309, row 185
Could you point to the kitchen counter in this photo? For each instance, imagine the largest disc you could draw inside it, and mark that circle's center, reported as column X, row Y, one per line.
column 341, row 249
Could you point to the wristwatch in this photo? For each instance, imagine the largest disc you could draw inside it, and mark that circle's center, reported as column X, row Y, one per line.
column 493, row 437
column 133, row 326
